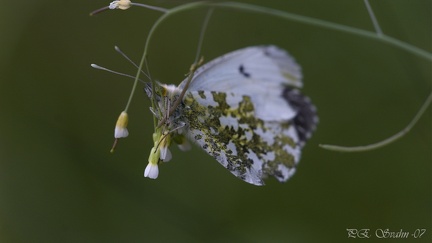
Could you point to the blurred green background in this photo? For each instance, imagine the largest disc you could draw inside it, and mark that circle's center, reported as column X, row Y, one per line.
column 59, row 183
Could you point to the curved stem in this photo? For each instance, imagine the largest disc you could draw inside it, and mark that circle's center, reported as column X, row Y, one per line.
column 164, row 10
column 387, row 141
column 329, row 25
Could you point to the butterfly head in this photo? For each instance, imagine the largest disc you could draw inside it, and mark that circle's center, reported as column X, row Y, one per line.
column 168, row 126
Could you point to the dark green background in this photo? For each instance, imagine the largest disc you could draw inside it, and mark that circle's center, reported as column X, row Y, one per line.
column 59, row 183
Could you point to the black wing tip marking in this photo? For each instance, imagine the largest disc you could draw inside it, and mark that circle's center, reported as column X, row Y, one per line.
column 306, row 119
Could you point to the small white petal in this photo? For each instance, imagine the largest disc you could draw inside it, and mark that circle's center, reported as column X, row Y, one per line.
column 120, row 132
column 165, row 154
column 113, row 5
column 151, row 171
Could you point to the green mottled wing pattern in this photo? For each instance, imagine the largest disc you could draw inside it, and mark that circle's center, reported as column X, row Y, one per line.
column 245, row 110
column 226, row 127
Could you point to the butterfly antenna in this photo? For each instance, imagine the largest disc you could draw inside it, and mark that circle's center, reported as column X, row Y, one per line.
column 132, row 62
column 115, row 72
column 148, row 75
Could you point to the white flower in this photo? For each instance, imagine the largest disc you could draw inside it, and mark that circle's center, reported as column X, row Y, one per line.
column 120, row 130
column 165, row 154
column 120, row 4
column 151, row 171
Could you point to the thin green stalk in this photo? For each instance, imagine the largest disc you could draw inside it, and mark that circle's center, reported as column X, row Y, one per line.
column 329, row 25
column 373, row 18
column 385, row 141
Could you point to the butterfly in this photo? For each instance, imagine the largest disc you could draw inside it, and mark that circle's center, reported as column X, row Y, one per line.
column 244, row 109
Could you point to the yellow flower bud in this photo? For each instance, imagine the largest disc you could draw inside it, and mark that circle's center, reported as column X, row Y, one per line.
column 120, row 4
column 120, row 130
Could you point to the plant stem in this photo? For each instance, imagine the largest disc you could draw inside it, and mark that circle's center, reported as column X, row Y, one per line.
column 384, row 142
column 329, row 25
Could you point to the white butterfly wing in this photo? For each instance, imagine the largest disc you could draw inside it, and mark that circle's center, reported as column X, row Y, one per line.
column 244, row 110
column 261, row 72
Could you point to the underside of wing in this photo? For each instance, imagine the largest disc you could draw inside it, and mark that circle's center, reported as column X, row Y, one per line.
column 226, row 127
column 245, row 110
